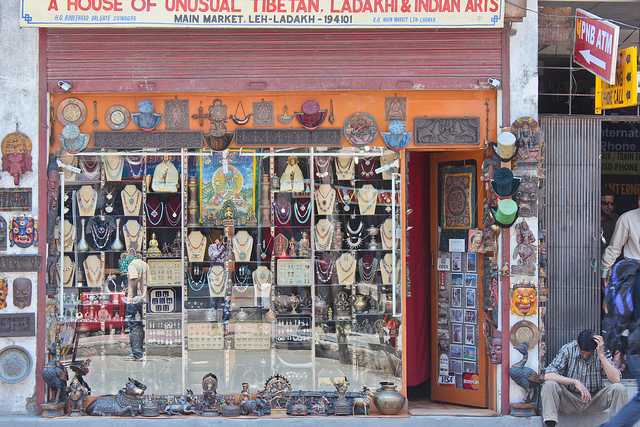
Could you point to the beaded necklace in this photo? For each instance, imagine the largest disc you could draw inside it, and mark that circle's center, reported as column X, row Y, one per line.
column 302, row 211
column 368, row 267
column 154, row 215
column 135, row 161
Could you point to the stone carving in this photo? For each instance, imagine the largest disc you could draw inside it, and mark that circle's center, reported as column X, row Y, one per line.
column 140, row 139
column 263, row 113
column 176, row 114
column 18, row 325
column 15, row 199
column 22, row 292
column 430, row 131
column 19, row 263
column 288, row 137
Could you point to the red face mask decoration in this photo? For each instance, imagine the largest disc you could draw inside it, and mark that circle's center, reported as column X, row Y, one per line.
column 16, row 155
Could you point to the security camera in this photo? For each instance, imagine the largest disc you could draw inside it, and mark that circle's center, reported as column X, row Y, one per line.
column 67, row 167
column 494, row 83
column 64, row 85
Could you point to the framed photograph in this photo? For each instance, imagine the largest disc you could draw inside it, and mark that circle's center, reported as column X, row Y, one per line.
column 470, row 367
column 457, row 315
column 455, row 351
column 472, row 262
column 470, row 298
column 456, row 333
column 471, row 280
column 474, row 240
column 457, row 279
column 469, row 335
column 444, row 263
column 455, row 366
column 456, row 261
column 456, row 297
column 470, row 316
column 469, row 353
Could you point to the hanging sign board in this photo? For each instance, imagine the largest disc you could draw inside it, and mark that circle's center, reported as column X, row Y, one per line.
column 264, row 13
column 596, row 45
column 624, row 93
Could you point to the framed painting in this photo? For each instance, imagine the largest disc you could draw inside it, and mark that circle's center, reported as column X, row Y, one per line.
column 228, row 187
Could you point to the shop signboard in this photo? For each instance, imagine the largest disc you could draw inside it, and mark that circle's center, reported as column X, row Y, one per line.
column 624, row 93
column 596, row 45
column 264, row 13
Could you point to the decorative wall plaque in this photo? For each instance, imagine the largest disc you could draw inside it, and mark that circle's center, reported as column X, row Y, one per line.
column 263, row 113
column 16, row 154
column 395, row 108
column 15, row 364
column 138, row 140
column 15, row 199
column 176, row 114
column 19, row 263
column 288, row 137
column 22, row 292
column 18, row 325
column 429, row 131
column 3, row 234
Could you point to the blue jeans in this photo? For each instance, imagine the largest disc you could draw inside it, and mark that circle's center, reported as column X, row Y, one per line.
column 630, row 413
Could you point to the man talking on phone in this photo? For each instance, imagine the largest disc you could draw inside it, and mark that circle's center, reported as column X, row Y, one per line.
column 574, row 380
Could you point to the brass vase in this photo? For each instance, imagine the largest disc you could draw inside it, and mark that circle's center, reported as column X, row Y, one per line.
column 388, row 400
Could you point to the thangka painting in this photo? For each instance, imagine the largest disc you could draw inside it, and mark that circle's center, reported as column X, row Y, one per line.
column 457, row 199
column 228, row 187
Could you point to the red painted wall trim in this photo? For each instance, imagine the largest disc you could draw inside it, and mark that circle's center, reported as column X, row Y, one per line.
column 43, row 150
column 505, row 282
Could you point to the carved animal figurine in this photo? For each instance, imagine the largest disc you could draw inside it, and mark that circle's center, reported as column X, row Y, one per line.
column 128, row 401
column 77, row 393
column 362, row 404
column 81, row 368
column 183, row 407
column 55, row 376
column 526, row 377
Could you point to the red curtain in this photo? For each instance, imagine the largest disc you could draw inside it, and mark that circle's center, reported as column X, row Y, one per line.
column 418, row 307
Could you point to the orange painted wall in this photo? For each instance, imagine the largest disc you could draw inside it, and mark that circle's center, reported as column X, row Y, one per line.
column 423, row 103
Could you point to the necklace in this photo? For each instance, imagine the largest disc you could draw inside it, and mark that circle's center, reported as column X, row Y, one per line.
column 242, row 276
column 324, row 235
column 302, row 211
column 108, row 206
column 90, row 168
column 242, row 246
column 369, row 163
column 131, row 199
column 386, row 269
column 354, row 238
column 367, row 197
column 197, row 285
column 353, row 232
column 195, row 249
column 69, row 236
column 264, row 248
column 283, row 211
column 386, row 232
column 135, row 161
column 87, row 198
column 368, row 269
column 154, row 215
column 262, row 277
column 342, row 196
column 325, row 199
column 346, row 265
column 113, row 166
column 100, row 230
column 132, row 240
column 325, row 269
column 68, row 268
column 93, row 270
column 322, row 167
column 174, row 211
column 344, row 168
column 217, row 280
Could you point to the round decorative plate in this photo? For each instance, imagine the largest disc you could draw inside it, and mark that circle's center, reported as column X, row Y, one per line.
column 117, row 117
column 15, row 364
column 525, row 332
column 73, row 111
column 360, row 128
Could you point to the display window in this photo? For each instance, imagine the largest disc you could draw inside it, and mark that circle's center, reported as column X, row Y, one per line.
column 241, row 263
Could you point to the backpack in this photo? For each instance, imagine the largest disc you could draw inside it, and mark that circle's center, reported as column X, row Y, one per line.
column 619, row 293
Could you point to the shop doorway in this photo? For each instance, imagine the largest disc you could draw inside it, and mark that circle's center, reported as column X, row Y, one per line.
column 446, row 362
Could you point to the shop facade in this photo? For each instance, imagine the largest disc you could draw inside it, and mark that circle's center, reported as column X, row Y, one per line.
column 297, row 217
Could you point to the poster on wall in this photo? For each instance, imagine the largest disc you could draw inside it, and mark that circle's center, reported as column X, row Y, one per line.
column 620, row 165
column 263, row 13
column 227, row 187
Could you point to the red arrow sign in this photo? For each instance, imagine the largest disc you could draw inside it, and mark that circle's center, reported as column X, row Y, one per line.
column 596, row 45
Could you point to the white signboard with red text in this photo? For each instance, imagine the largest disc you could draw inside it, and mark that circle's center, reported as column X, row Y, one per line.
column 264, row 13
column 596, row 45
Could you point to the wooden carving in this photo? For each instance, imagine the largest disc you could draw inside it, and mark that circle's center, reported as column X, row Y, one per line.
column 430, row 131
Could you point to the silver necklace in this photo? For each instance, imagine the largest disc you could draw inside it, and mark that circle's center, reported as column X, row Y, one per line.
column 303, row 217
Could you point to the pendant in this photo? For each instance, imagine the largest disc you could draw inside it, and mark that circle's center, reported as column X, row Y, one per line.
column 108, row 209
column 367, row 162
column 174, row 215
column 347, row 208
column 109, row 196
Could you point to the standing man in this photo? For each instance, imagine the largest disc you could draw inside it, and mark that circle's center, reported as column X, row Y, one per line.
column 608, row 218
column 574, row 380
column 137, row 272
column 625, row 240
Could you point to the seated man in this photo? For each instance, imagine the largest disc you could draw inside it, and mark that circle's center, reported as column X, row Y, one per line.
column 574, row 380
